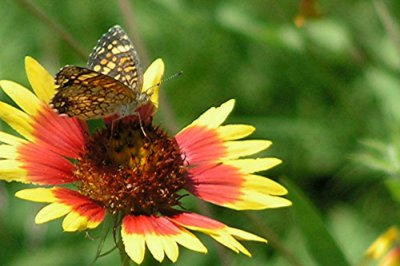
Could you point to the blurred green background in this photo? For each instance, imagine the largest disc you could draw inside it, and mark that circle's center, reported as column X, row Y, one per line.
column 327, row 94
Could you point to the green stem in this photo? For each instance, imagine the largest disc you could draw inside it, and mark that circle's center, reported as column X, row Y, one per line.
column 388, row 22
column 167, row 115
column 56, row 27
column 273, row 240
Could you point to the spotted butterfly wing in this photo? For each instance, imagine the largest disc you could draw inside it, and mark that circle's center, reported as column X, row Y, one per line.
column 87, row 94
column 115, row 56
column 110, row 85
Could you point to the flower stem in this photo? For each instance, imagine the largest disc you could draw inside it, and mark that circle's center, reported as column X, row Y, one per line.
column 54, row 25
column 128, row 14
column 274, row 240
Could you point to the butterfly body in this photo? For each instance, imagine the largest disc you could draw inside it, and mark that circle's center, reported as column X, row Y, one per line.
column 111, row 84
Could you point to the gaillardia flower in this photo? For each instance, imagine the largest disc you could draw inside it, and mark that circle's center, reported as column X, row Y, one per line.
column 134, row 170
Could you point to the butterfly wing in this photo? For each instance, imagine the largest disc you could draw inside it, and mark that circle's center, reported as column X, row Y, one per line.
column 87, row 94
column 115, row 56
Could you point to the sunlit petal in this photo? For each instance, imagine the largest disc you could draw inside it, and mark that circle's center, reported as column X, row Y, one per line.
column 236, row 149
column 233, row 132
column 214, row 116
column 17, row 119
column 51, row 212
column 152, row 80
column 37, row 195
column 8, row 152
column 253, row 165
column 42, row 82
column 220, row 232
column 23, row 97
column 10, row 139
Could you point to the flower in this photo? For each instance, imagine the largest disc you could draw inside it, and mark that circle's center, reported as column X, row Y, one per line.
column 392, row 258
column 380, row 247
column 134, row 170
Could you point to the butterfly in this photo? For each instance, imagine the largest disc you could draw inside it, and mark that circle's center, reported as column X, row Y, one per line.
column 110, row 84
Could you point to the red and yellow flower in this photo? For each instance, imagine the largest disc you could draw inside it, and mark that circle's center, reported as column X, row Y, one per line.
column 134, row 170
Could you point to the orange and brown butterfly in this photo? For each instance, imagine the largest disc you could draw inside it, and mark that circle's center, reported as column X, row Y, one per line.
column 111, row 84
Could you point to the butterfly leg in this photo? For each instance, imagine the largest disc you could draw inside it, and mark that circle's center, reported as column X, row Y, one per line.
column 141, row 125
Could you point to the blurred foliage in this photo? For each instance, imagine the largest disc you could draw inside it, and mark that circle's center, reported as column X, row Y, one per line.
column 327, row 94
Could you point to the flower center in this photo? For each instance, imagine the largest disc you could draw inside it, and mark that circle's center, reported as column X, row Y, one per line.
column 132, row 170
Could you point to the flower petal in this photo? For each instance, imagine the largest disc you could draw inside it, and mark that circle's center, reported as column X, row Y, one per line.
column 383, row 243
column 74, row 221
column 236, row 149
column 159, row 234
column 264, row 185
column 25, row 99
column 218, row 184
column 63, row 135
column 17, row 119
column 153, row 242
column 181, row 235
column 253, row 200
column 84, row 216
column 228, row 186
column 135, row 231
column 11, row 170
column 230, row 242
column 220, row 232
column 232, row 132
column 253, row 165
column 8, row 152
column 258, row 193
column 10, row 139
column 41, row 81
column 200, row 145
column 243, row 235
column 152, row 80
column 51, row 212
column 134, row 246
column 90, row 214
column 214, row 116
column 82, row 213
column 44, row 166
column 37, row 195
column 170, row 247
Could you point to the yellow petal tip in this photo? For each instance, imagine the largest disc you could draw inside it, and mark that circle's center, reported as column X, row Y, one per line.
column 41, row 80
column 159, row 62
column 230, row 102
column 152, row 79
column 153, row 74
column 29, row 59
column 228, row 105
column 36, row 195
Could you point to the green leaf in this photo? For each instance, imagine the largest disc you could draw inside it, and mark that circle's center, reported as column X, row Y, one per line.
column 385, row 85
column 320, row 243
column 393, row 185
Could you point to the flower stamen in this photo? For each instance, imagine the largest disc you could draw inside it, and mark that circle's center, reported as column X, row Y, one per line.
column 128, row 172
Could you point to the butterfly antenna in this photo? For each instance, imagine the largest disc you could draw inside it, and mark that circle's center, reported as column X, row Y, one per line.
column 169, row 78
column 164, row 80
